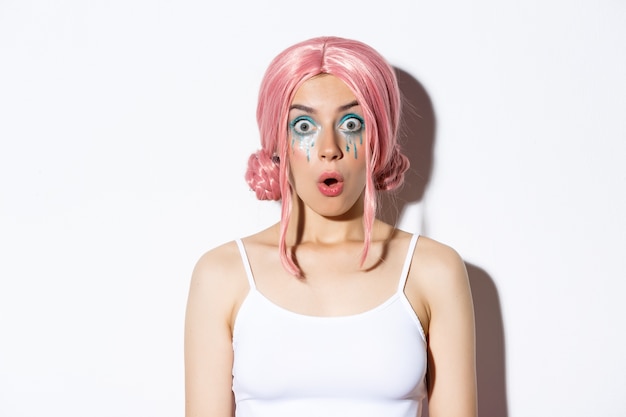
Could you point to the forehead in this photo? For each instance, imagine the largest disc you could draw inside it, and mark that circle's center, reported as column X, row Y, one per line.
column 323, row 90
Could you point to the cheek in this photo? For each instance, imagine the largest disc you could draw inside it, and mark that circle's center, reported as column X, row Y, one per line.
column 361, row 166
column 363, row 173
column 297, row 166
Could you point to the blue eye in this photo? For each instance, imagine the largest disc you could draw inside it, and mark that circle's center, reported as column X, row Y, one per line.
column 351, row 123
column 303, row 126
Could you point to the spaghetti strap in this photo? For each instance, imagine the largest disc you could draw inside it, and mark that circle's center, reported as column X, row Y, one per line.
column 407, row 263
column 246, row 263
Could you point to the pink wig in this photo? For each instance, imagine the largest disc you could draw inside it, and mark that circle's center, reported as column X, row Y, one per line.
column 373, row 83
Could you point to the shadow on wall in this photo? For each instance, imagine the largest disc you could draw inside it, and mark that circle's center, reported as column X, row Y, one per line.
column 417, row 137
column 490, row 357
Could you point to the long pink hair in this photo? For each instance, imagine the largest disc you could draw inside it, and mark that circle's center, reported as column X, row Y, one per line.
column 372, row 81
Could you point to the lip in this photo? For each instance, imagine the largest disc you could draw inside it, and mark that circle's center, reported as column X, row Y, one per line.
column 330, row 190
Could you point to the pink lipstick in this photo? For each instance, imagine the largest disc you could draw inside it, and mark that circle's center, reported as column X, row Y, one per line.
column 330, row 184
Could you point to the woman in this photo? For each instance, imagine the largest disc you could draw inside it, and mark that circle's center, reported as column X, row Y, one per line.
column 330, row 312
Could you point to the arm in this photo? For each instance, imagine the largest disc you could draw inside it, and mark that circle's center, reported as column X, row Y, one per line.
column 208, row 339
column 451, row 336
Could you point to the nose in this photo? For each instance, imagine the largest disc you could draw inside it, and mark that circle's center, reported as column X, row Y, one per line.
column 328, row 145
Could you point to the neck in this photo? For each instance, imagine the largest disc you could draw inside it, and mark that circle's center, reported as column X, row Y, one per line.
column 307, row 226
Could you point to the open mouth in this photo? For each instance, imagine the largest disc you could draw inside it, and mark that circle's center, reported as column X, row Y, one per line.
column 331, row 181
column 330, row 178
column 331, row 184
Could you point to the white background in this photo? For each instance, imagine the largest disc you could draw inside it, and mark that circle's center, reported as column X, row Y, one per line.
column 125, row 127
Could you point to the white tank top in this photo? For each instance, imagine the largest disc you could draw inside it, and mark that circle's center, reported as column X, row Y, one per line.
column 286, row 364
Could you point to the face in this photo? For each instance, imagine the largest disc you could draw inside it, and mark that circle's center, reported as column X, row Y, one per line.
column 326, row 147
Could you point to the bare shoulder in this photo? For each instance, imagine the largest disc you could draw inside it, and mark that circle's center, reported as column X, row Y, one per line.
column 218, row 262
column 441, row 281
column 438, row 277
column 218, row 285
column 218, row 281
column 437, row 260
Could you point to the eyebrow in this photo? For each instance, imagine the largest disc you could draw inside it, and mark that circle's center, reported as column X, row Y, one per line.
column 312, row 110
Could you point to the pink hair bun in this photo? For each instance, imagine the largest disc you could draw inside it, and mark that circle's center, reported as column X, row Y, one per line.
column 262, row 176
column 393, row 175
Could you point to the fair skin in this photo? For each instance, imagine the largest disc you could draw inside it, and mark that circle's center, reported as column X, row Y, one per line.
column 327, row 232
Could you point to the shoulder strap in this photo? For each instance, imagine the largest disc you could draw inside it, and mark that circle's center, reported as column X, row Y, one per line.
column 407, row 263
column 246, row 263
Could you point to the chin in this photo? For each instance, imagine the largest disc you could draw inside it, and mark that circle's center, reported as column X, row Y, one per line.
column 342, row 206
column 338, row 211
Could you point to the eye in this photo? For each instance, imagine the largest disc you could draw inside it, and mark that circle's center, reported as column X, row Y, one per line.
column 303, row 125
column 351, row 123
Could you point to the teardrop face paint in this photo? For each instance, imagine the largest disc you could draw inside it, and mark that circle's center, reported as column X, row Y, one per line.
column 304, row 131
column 352, row 126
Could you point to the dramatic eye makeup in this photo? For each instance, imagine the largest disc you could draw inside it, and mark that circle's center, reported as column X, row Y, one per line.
column 351, row 123
column 303, row 125
column 304, row 131
column 352, row 126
